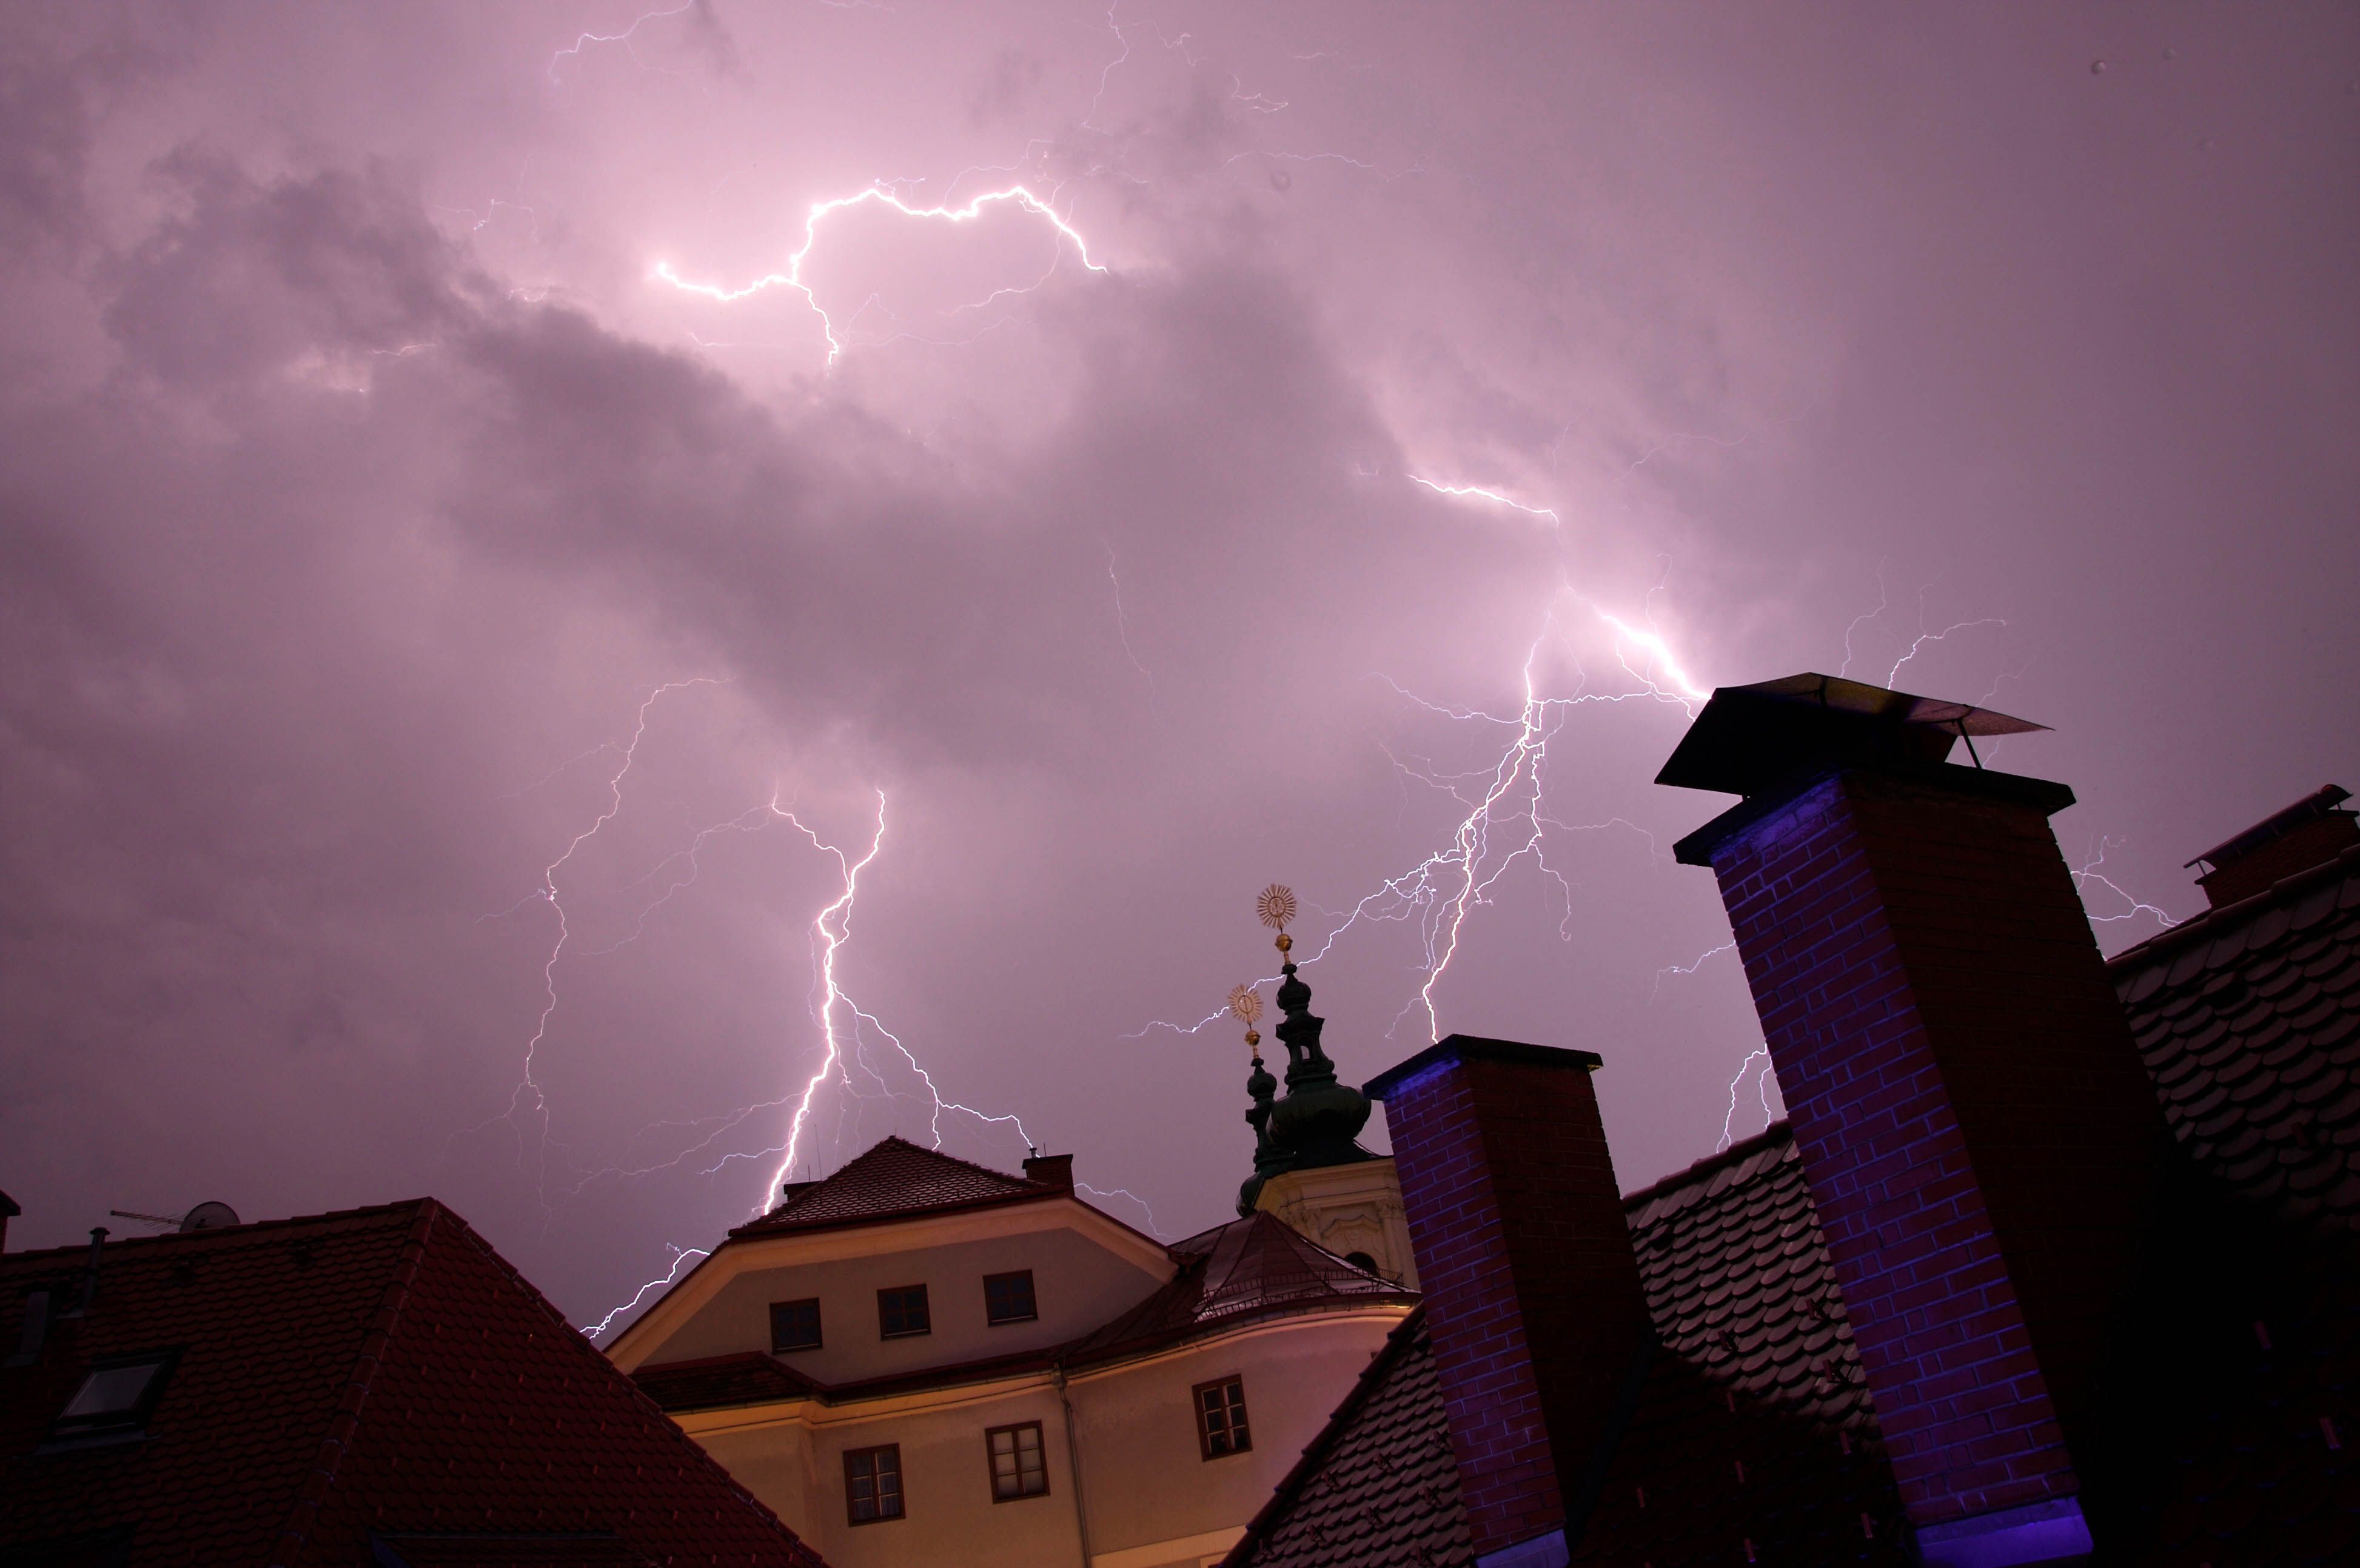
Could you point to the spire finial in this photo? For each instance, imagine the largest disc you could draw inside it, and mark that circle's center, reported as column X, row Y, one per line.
column 1246, row 1003
column 1276, row 904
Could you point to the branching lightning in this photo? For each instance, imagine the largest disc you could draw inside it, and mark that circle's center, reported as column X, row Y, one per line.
column 2088, row 872
column 792, row 279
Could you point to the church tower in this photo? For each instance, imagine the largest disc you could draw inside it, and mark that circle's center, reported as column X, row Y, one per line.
column 1309, row 1168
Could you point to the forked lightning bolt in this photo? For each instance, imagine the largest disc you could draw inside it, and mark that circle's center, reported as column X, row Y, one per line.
column 792, row 279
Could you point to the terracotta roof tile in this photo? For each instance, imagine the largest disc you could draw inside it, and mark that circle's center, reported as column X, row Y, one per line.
column 381, row 1369
column 1378, row 1485
column 1757, row 1368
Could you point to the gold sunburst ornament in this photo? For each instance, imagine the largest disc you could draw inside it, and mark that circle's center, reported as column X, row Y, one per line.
column 1276, row 904
column 1246, row 1003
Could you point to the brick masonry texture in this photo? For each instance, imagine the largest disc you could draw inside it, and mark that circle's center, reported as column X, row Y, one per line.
column 1980, row 1137
column 1755, row 1424
column 1534, row 1293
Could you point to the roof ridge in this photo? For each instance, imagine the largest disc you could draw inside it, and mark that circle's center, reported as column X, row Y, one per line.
column 2211, row 922
column 1779, row 1131
column 215, row 1234
column 295, row 1534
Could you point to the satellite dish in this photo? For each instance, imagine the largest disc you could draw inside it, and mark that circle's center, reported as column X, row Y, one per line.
column 208, row 1216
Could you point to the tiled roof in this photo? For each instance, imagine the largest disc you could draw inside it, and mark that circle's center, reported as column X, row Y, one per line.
column 1756, row 1369
column 2248, row 1018
column 895, row 1179
column 1248, row 1269
column 747, row 1377
column 1378, row 1485
column 377, row 1369
column 1754, row 1434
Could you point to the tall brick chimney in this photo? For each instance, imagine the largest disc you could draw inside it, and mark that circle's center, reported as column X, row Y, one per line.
column 1980, row 1140
column 1539, row 1323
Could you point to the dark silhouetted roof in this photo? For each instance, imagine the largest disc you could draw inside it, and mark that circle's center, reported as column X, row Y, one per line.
column 1753, row 1430
column 381, row 1369
column 896, row 1179
column 2248, row 1018
column 1378, row 1485
column 1757, row 1368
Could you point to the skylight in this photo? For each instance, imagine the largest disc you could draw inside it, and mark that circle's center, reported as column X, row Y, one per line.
column 114, row 1396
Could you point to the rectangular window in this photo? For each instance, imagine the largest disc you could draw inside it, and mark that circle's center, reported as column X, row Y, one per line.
column 114, row 1397
column 872, row 1484
column 1221, row 1418
column 1018, row 1469
column 794, row 1325
column 901, row 1311
column 1007, row 1297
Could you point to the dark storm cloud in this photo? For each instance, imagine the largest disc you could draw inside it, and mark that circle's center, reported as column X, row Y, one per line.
column 359, row 486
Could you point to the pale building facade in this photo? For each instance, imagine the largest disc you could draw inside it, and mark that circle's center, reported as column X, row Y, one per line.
column 921, row 1361
column 1354, row 1211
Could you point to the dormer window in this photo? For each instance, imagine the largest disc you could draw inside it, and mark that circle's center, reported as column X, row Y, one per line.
column 114, row 1397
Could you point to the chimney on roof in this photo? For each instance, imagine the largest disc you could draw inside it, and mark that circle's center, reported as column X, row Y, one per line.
column 2310, row 833
column 1981, row 1140
column 1539, row 1323
column 1053, row 1169
column 8, row 1211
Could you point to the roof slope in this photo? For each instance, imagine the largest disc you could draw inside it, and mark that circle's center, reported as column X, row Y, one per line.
column 1379, row 1483
column 896, row 1179
column 1251, row 1269
column 380, row 1370
column 2248, row 1018
column 1756, row 1369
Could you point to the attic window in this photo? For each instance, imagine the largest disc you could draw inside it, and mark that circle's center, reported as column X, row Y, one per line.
column 114, row 1397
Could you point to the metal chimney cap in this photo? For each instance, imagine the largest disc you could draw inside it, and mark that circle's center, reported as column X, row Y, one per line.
column 1752, row 738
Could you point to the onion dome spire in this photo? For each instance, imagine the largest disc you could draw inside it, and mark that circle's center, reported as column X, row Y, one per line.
column 1318, row 1121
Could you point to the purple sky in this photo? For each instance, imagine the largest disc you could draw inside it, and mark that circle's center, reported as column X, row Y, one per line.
column 363, row 477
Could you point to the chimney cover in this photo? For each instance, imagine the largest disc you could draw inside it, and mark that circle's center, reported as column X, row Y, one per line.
column 2318, row 803
column 1750, row 739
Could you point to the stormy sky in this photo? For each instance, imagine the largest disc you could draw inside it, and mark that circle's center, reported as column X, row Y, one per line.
column 490, row 514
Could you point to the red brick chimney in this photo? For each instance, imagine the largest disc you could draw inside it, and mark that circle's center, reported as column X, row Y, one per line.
column 2310, row 833
column 1539, row 1325
column 1979, row 1136
column 1050, row 1169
